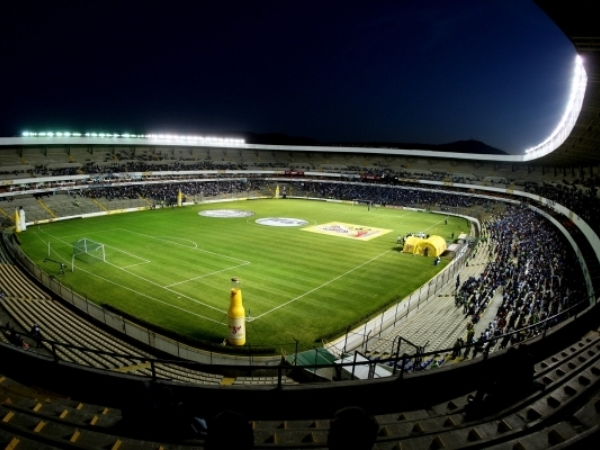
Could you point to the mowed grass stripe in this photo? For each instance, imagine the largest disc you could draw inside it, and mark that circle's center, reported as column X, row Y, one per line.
column 324, row 282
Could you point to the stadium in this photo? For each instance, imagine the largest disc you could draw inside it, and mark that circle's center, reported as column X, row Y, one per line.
column 122, row 248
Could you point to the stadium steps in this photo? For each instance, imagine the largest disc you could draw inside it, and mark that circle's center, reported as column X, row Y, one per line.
column 15, row 284
column 446, row 425
column 45, row 208
column 54, row 432
column 569, row 375
column 16, row 308
column 27, row 312
column 3, row 338
column 4, row 213
column 98, row 204
column 97, row 339
column 433, row 321
column 437, row 320
column 88, row 336
column 64, row 411
column 430, row 320
column 261, row 381
column 147, row 201
column 53, row 318
column 568, row 379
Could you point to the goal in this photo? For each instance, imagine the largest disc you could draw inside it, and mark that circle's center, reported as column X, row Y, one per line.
column 87, row 251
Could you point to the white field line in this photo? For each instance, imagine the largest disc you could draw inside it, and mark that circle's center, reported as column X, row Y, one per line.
column 205, row 275
column 220, row 255
column 136, row 264
column 152, row 283
column 195, row 246
column 435, row 224
column 321, row 286
column 385, row 212
column 144, row 295
column 144, row 260
column 166, row 288
column 66, row 236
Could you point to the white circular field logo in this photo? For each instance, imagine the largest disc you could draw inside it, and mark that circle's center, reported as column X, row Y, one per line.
column 281, row 222
column 226, row 213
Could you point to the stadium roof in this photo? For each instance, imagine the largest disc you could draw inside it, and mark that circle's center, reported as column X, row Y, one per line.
column 579, row 21
column 581, row 135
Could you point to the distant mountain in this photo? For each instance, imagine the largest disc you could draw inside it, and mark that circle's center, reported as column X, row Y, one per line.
column 469, row 146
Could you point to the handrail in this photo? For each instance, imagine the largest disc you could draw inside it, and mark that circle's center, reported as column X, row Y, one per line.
column 420, row 353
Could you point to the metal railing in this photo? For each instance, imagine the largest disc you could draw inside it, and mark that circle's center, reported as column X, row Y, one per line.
column 396, row 365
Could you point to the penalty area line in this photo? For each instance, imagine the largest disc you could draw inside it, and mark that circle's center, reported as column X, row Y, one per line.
column 147, row 281
column 321, row 286
column 140, row 293
column 205, row 275
column 220, row 255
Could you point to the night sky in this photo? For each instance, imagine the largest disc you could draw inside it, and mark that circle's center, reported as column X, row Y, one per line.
column 422, row 71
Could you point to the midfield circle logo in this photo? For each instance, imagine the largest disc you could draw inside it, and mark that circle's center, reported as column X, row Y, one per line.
column 226, row 213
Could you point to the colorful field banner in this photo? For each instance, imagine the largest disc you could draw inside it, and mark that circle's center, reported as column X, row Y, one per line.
column 348, row 230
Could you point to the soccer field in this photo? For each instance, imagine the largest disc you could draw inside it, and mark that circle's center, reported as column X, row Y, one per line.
column 301, row 279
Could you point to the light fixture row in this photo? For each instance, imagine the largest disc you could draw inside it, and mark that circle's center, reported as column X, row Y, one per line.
column 165, row 137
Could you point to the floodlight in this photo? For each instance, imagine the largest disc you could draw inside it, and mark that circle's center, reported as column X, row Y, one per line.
column 572, row 110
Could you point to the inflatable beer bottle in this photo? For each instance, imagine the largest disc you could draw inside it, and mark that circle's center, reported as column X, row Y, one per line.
column 236, row 315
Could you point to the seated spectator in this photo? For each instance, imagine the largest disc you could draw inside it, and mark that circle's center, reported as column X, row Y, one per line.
column 36, row 333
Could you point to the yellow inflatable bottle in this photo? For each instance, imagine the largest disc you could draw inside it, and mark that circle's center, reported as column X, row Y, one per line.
column 236, row 315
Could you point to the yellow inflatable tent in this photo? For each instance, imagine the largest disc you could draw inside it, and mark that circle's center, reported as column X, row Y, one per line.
column 433, row 246
column 411, row 243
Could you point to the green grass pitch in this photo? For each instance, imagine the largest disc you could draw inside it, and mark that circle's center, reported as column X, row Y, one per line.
column 172, row 267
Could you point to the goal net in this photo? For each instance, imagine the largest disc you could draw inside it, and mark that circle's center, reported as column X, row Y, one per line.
column 87, row 251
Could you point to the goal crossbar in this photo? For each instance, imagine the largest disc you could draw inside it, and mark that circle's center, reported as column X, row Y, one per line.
column 85, row 246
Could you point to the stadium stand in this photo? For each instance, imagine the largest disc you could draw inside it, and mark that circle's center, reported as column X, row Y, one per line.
column 54, row 318
column 543, row 394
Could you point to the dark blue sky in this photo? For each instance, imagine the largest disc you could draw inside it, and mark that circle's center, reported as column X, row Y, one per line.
column 405, row 71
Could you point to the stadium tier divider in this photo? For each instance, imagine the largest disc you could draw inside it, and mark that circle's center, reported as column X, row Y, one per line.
column 570, row 377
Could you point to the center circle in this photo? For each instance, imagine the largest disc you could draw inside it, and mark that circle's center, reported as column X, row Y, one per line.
column 226, row 213
column 281, row 222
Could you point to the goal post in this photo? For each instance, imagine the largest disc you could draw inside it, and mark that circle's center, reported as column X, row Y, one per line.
column 88, row 251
